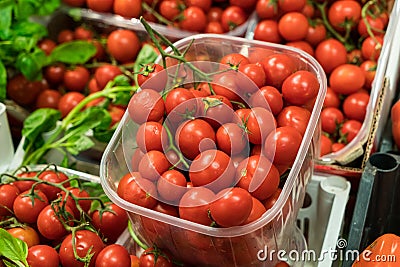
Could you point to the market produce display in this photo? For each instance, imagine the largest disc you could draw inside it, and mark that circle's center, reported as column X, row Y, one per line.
column 346, row 38
column 205, row 16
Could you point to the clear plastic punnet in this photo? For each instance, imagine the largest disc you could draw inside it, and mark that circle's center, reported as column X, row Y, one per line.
column 194, row 244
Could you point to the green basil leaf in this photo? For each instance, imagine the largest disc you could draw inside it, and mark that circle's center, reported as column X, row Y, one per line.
column 30, row 64
column 13, row 248
column 105, row 121
column 75, row 52
column 3, row 81
column 146, row 55
column 24, row 9
column 87, row 119
column 5, row 21
column 39, row 122
column 48, row 7
column 78, row 143
column 29, row 29
column 104, row 135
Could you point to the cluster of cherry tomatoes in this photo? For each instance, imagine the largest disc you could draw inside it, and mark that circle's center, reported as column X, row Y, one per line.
column 44, row 216
column 63, row 86
column 209, row 16
column 346, row 38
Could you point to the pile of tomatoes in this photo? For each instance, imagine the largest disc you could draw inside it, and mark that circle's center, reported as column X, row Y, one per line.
column 346, row 38
column 205, row 16
column 63, row 86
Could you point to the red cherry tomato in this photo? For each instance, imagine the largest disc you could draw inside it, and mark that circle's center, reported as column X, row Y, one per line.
column 194, row 19
column 331, row 118
column 27, row 211
column 300, row 88
column 127, row 8
column 111, row 223
column 355, row 106
column 26, row 234
column 76, row 79
column 330, row 54
column 113, row 255
column 42, row 256
column 123, row 45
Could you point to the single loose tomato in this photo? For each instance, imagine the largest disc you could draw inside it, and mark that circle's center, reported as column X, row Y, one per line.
column 259, row 124
column 300, row 88
column 8, row 193
column 293, row 26
column 171, row 186
column 137, row 190
column 193, row 19
column 232, row 207
column 267, row 30
column 350, row 129
column 331, row 99
column 83, row 33
column 127, row 8
column 195, row 204
column 42, row 256
column 344, row 14
column 123, row 45
column 355, row 106
column 254, row 72
column 84, row 241
column 315, row 34
column 212, row 169
column 65, row 36
column 277, row 68
column 294, row 116
column 232, row 16
column 54, row 74
column 331, row 119
column 48, row 99
column 337, row 146
column 179, row 101
column 266, row 9
column 151, row 136
column 325, row 145
column 113, row 255
column 258, row 175
column 111, row 223
column 76, row 79
column 106, row 73
column 26, row 234
column 214, row 14
column 347, row 79
column 170, row 9
column 153, row 164
column 330, row 54
column 23, row 91
column 194, row 136
column 371, row 48
column 27, row 210
column 214, row 27
column 286, row 140
column 47, row 45
column 269, row 98
column 369, row 69
column 231, row 138
column 146, row 105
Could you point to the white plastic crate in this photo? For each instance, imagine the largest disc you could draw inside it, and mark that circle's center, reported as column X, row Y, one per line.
column 322, row 220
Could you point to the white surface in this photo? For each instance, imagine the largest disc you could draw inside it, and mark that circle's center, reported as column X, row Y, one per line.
column 6, row 144
column 329, row 195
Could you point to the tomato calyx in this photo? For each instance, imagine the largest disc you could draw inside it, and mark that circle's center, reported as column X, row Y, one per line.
column 365, row 9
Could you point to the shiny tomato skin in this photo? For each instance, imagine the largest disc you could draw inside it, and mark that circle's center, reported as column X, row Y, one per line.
column 151, row 257
column 315, row 34
column 179, row 96
column 266, row 9
column 258, row 175
column 331, row 99
column 270, row 202
column 291, row 5
column 84, row 240
column 169, row 9
column 48, row 99
column 123, row 45
column 171, row 186
column 111, row 223
column 106, row 73
column 76, row 79
column 53, row 177
column 347, row 79
column 331, row 118
column 269, row 98
column 300, row 87
column 337, row 146
column 49, row 224
column 294, row 116
column 257, row 211
column 65, row 36
column 302, row 45
column 287, row 141
column 83, row 203
column 325, row 145
column 234, row 59
column 231, row 138
column 26, row 234
column 369, row 69
column 267, row 30
column 277, row 68
column 194, row 136
column 27, row 212
column 150, row 71
column 232, row 207
column 260, row 123
column 214, row 27
column 194, row 19
column 344, row 11
column 137, row 190
column 127, row 8
column 54, row 74
column 293, row 26
column 355, row 106
column 376, row 25
column 100, row 5
column 212, row 169
column 42, row 256
column 330, row 54
column 8, row 193
column 47, row 45
column 113, row 255
column 350, row 129
column 23, row 91
column 195, row 204
column 232, row 16
column 371, row 49
column 153, row 164
column 146, row 105
column 254, row 72
column 151, row 136
column 205, row 5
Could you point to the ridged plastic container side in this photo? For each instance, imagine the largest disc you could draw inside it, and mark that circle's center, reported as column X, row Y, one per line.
column 201, row 245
